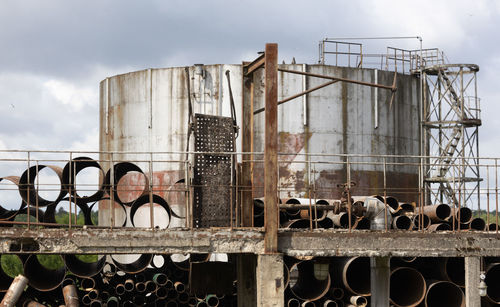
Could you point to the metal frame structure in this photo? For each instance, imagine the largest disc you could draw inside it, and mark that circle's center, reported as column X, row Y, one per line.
column 450, row 124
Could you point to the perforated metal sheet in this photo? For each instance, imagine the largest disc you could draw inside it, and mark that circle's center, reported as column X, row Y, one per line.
column 213, row 197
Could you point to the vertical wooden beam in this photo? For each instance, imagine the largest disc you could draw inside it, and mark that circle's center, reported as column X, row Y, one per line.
column 247, row 146
column 271, row 149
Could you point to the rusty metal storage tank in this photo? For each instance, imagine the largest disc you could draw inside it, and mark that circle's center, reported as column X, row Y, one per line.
column 148, row 111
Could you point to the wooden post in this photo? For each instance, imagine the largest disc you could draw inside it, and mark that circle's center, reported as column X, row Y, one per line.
column 271, row 149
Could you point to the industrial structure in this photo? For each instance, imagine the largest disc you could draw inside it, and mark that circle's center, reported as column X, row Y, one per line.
column 261, row 185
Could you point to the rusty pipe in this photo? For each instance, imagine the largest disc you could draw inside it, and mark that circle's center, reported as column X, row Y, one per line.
column 129, row 285
column 493, row 282
column 464, row 215
column 308, row 304
column 88, row 283
column 437, row 213
column 440, row 227
column 354, row 273
column 307, row 286
column 421, row 220
column 32, row 303
column 478, row 224
column 70, row 295
column 14, row 292
column 342, row 220
column 493, row 227
column 81, row 268
column 407, row 287
column 293, row 302
column 444, row 293
column 179, row 287
column 161, row 292
column 402, row 222
column 140, row 287
column 455, row 270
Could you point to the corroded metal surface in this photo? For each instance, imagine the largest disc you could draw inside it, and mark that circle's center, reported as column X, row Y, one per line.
column 213, row 198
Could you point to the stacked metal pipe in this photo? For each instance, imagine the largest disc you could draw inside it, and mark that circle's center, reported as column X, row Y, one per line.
column 371, row 212
column 142, row 284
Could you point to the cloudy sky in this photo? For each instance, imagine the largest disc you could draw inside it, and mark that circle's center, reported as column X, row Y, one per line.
column 53, row 53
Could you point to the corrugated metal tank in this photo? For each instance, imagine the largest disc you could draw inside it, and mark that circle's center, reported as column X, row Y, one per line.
column 148, row 111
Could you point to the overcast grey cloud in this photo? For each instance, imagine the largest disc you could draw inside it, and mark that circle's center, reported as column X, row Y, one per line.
column 54, row 53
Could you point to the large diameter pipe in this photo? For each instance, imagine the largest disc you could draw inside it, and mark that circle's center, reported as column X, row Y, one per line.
column 308, row 287
column 493, row 282
column 354, row 274
column 402, row 222
column 70, row 295
column 407, row 287
column 464, row 215
column 440, row 227
column 437, row 213
column 478, row 224
column 444, row 293
column 14, row 292
column 379, row 215
column 40, row 277
column 455, row 270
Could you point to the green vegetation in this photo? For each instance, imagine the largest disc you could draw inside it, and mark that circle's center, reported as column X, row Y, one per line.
column 13, row 266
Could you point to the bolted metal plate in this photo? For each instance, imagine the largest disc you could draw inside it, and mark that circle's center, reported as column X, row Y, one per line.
column 212, row 173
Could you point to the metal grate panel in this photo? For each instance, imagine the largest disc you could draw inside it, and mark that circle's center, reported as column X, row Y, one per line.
column 212, row 178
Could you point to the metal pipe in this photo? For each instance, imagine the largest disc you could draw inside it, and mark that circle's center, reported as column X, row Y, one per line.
column 478, row 224
column 160, row 279
column 407, row 287
column 87, row 283
column 455, row 270
column 120, row 289
column 440, row 227
column 359, row 301
column 342, row 219
column 330, row 303
column 493, row 281
column 95, row 303
column 377, row 214
column 93, row 294
column 293, row 302
column 308, row 286
column 444, row 293
column 179, row 287
column 337, row 293
column 86, row 300
column 183, row 298
column 161, row 292
column 140, row 287
column 129, row 285
column 40, row 277
column 437, row 213
column 212, row 300
column 308, row 304
column 32, row 303
column 113, row 302
column 421, row 221
column 14, row 292
column 354, row 274
column 150, row 286
column 70, row 295
column 402, row 222
column 464, row 215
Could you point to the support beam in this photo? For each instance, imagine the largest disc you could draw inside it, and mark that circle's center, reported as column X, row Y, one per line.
column 472, row 271
column 246, row 268
column 247, row 146
column 380, row 274
column 271, row 150
column 270, row 283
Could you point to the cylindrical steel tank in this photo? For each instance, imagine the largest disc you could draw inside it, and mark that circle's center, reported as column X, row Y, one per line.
column 148, row 111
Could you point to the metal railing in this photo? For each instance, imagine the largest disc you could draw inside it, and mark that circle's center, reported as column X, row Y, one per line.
column 156, row 190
